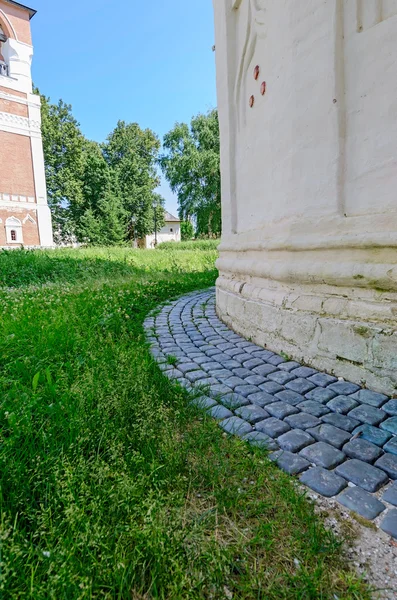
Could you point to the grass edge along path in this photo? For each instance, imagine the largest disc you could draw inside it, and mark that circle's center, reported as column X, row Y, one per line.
column 114, row 486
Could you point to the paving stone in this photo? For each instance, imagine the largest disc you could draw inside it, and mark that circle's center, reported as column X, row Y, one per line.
column 263, row 354
column 252, row 413
column 362, row 474
column 289, row 366
column 212, row 366
column 246, row 390
column 368, row 414
column 373, row 434
column 322, row 379
column 194, row 376
column 272, row 427
column 219, row 390
column 234, row 401
column 322, row 395
column 281, row 377
column 295, row 440
column 300, row 385
column 389, row 523
column 242, row 372
column 302, row 421
column 390, row 408
column 293, row 464
column 343, row 388
column 207, row 381
column 253, row 362
column 361, row 502
column 323, row 482
column 201, row 359
column 255, row 379
column 203, row 402
column 265, row 370
column 261, row 440
column 372, row 398
column 342, row 404
column 362, row 450
column 221, row 374
column 225, row 346
column 220, row 412
column 313, row 408
column 390, row 494
column 228, row 364
column 281, row 409
column 243, row 358
column 232, row 382
column 276, row 360
column 261, row 398
column 304, row 372
column 271, row 387
column 390, row 425
column 388, row 462
column 173, row 374
column 341, row 421
column 323, row 455
column 330, row 434
column 391, row 446
column 288, row 396
column 236, row 426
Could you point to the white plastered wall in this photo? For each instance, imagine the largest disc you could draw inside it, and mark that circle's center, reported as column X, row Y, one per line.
column 308, row 260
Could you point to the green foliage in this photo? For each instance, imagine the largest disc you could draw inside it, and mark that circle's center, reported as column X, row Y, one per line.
column 132, row 153
column 63, row 145
column 94, row 190
column 112, row 484
column 187, row 230
column 191, row 165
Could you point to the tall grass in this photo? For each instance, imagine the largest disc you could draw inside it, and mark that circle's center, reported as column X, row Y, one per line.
column 190, row 245
column 111, row 484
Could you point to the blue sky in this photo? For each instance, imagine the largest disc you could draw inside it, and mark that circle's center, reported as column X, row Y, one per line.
column 148, row 61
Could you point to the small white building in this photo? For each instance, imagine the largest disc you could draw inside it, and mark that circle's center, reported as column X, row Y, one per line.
column 171, row 232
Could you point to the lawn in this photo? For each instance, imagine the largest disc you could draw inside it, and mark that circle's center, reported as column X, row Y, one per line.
column 113, row 485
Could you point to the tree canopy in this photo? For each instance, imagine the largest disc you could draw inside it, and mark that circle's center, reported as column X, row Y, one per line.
column 100, row 193
column 191, row 164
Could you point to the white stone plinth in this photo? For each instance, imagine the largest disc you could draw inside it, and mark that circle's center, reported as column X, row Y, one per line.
column 308, row 260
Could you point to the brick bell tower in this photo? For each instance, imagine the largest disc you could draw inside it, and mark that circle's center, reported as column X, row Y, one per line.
column 25, row 218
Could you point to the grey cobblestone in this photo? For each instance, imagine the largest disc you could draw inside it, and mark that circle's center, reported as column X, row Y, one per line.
column 362, row 474
column 362, row 450
column 389, row 523
column 391, row 494
column 293, row 464
column 341, row 421
column 326, row 483
column 388, row 463
column 272, row 427
column 323, row 455
column 276, row 403
column 361, row 502
column 294, row 440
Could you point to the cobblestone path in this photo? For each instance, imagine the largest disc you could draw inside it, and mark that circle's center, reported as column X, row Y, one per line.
column 339, row 438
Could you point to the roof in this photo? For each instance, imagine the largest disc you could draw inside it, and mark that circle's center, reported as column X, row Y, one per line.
column 31, row 11
column 169, row 217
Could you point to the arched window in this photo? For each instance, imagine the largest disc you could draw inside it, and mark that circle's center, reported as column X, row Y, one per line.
column 14, row 231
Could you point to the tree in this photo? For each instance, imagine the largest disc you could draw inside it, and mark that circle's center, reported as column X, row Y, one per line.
column 132, row 153
column 191, row 165
column 63, row 145
column 187, row 230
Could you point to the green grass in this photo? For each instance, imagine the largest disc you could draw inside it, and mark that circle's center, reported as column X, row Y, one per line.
column 113, row 486
column 190, row 245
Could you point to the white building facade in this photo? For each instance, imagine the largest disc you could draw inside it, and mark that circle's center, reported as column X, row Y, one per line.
column 170, row 232
column 307, row 98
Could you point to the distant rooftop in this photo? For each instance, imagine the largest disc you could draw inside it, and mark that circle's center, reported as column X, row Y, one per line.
column 31, row 11
column 169, row 217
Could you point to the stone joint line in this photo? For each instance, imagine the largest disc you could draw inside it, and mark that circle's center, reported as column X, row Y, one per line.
column 339, row 438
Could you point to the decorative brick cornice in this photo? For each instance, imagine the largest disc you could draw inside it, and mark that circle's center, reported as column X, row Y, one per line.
column 11, row 122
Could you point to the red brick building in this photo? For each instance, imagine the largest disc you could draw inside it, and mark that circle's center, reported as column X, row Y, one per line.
column 25, row 218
